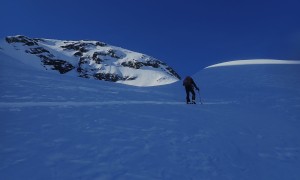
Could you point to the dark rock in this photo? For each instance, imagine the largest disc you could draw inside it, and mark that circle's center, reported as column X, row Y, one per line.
column 38, row 39
column 79, row 46
column 152, row 63
column 173, row 72
column 83, row 72
column 113, row 54
column 132, row 64
column 83, row 60
column 21, row 39
column 78, row 54
column 79, row 69
column 112, row 77
column 102, row 44
column 57, row 64
column 108, row 77
column 138, row 65
column 71, row 47
column 83, row 50
column 96, row 58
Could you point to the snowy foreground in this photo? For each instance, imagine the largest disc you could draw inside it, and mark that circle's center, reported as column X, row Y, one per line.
column 56, row 127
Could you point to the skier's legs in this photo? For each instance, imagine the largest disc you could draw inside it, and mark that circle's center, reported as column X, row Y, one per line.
column 187, row 91
column 193, row 94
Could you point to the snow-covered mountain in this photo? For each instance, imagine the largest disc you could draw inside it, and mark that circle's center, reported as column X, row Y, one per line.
column 61, row 127
column 89, row 59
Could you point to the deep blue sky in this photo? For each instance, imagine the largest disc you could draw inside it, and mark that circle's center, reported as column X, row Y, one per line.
column 186, row 34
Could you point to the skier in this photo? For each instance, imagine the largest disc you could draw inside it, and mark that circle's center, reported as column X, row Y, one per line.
column 189, row 85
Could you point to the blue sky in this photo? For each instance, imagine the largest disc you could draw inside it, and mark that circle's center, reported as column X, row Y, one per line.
column 186, row 34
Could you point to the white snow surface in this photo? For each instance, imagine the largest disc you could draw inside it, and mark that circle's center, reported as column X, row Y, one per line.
column 254, row 62
column 62, row 127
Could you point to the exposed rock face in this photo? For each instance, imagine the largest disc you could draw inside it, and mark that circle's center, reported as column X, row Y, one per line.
column 56, row 64
column 48, row 60
column 112, row 77
column 21, row 39
column 94, row 59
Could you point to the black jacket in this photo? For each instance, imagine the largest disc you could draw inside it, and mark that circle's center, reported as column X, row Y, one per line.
column 188, row 82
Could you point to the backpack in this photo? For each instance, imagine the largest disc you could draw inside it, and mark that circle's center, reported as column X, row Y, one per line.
column 188, row 81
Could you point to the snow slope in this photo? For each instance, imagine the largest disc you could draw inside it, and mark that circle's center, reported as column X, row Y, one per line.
column 62, row 127
column 89, row 59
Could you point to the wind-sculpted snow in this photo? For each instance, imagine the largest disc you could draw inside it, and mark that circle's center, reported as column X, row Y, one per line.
column 254, row 62
column 62, row 127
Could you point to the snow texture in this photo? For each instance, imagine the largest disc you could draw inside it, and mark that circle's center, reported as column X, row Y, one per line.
column 62, row 127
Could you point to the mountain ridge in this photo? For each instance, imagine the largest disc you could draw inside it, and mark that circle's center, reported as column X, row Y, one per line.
column 90, row 59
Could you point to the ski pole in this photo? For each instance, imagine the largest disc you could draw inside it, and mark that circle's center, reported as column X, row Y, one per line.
column 200, row 97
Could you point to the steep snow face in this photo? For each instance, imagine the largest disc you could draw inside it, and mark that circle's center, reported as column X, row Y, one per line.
column 254, row 62
column 90, row 59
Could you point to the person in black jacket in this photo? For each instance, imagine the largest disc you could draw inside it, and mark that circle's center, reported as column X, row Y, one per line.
column 189, row 85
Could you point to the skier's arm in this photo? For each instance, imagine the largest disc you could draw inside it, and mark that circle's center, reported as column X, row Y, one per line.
column 193, row 82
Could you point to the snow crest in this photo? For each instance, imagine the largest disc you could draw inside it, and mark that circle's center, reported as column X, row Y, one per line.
column 253, row 62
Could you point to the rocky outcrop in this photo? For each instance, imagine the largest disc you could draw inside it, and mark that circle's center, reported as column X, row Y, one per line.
column 97, row 57
column 56, row 64
column 48, row 60
column 22, row 39
column 112, row 77
column 150, row 63
column 82, row 46
column 173, row 72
